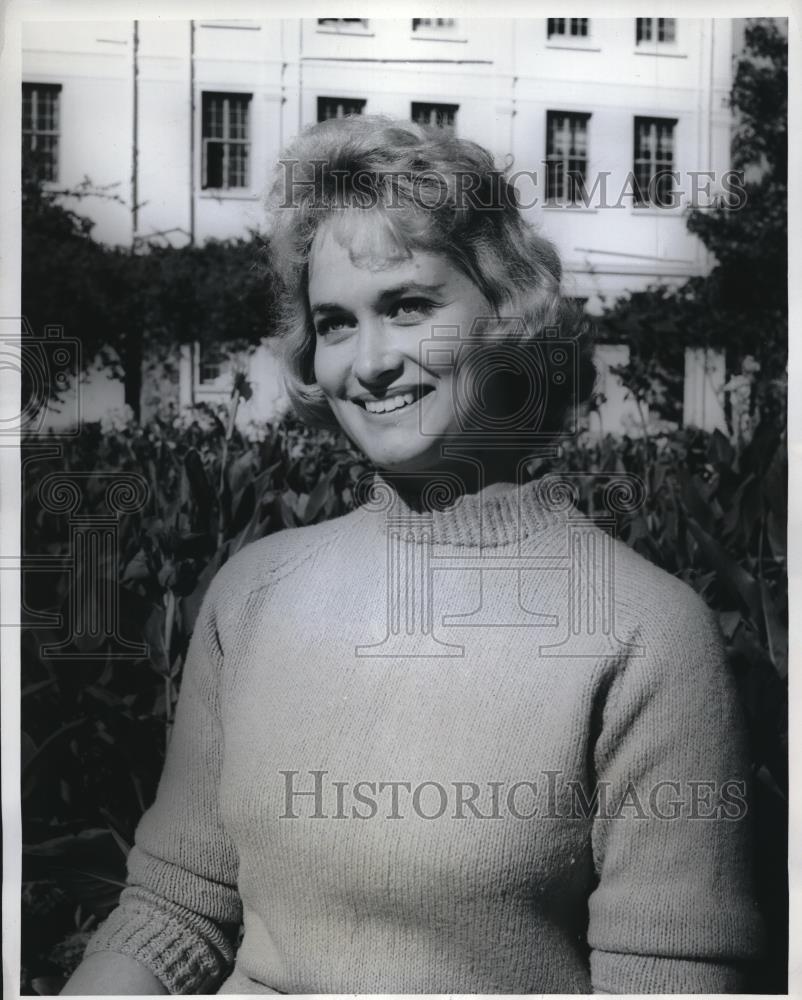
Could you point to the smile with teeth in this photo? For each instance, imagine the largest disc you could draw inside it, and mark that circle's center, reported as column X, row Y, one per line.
column 390, row 403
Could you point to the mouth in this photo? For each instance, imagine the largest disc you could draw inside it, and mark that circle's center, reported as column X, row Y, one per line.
column 394, row 400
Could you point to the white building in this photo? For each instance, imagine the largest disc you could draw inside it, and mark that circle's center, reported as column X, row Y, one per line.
column 183, row 121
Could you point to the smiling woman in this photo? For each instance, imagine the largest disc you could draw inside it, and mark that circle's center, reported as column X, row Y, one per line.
column 395, row 237
column 368, row 361
column 460, row 739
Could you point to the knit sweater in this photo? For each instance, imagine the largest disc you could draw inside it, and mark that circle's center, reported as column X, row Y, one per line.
column 482, row 750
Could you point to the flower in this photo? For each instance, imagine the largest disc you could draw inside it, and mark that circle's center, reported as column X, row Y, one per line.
column 117, row 420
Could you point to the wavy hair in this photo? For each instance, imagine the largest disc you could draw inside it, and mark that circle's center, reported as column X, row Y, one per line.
column 434, row 192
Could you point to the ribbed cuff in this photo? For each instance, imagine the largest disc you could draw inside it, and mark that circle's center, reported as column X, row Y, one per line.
column 176, row 956
column 612, row 972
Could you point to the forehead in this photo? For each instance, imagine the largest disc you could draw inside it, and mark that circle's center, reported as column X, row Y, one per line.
column 362, row 256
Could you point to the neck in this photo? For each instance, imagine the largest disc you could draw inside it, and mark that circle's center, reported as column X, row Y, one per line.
column 479, row 474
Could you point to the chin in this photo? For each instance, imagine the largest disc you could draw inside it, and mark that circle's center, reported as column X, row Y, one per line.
column 404, row 463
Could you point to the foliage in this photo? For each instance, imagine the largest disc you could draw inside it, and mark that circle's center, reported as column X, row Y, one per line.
column 130, row 305
column 94, row 732
column 741, row 306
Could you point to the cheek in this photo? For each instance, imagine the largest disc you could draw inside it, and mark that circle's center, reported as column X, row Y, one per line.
column 323, row 369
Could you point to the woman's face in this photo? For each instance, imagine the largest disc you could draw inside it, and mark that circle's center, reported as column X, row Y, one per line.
column 371, row 319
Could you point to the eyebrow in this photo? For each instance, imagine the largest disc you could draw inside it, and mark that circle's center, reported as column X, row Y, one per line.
column 387, row 295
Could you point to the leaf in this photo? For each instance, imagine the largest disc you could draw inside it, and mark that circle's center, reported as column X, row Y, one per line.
column 199, row 484
column 27, row 749
column 286, row 511
column 776, row 633
column 777, row 532
column 318, row 497
column 240, row 473
column 137, row 569
column 48, row 986
column 732, row 578
column 35, row 759
column 719, row 449
column 153, row 634
column 38, row 686
column 167, row 574
column 729, row 622
column 695, row 503
column 125, row 847
column 191, row 604
column 90, row 866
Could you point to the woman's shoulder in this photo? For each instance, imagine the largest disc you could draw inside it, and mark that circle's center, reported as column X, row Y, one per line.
column 266, row 560
column 652, row 611
column 661, row 603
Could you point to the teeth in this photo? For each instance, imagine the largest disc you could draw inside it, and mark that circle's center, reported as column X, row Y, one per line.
column 389, row 404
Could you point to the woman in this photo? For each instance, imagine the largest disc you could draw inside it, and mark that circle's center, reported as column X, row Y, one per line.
column 405, row 759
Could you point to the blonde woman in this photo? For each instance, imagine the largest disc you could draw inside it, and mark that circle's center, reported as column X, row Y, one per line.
column 397, row 766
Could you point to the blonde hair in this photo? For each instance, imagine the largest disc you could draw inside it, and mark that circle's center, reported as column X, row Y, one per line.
column 435, row 193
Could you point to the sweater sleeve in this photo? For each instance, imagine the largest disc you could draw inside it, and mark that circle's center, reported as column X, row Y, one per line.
column 673, row 911
column 180, row 912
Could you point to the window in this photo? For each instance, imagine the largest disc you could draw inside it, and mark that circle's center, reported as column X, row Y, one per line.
column 567, row 27
column 442, row 115
column 655, row 29
column 339, row 107
column 345, row 24
column 226, row 140
column 654, row 161
column 433, row 23
column 211, row 362
column 40, row 129
column 566, row 156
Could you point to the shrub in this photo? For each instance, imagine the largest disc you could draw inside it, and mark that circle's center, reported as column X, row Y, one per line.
column 94, row 730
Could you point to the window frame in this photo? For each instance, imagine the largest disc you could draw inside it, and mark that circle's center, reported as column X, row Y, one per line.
column 566, row 34
column 568, row 195
column 655, row 26
column 643, row 199
column 343, row 26
column 33, row 88
column 437, row 106
column 361, row 101
column 226, row 140
column 220, row 384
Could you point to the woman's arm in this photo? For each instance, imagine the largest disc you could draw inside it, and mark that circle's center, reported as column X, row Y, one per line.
column 674, row 910
column 178, row 917
column 106, row 973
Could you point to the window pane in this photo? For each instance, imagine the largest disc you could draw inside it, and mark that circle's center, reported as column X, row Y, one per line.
column 226, row 130
column 237, row 165
column 212, row 117
column 214, row 165
column 566, row 155
column 441, row 115
column 665, row 29
column 337, row 22
column 654, row 158
column 40, row 125
column 339, row 107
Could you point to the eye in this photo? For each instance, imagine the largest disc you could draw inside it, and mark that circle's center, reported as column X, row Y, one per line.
column 333, row 324
column 411, row 310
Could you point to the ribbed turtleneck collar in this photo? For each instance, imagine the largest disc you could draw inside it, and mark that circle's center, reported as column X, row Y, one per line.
column 488, row 519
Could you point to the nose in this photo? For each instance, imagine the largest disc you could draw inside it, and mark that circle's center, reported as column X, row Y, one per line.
column 377, row 362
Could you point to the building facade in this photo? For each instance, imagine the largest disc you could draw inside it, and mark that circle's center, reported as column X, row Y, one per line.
column 612, row 128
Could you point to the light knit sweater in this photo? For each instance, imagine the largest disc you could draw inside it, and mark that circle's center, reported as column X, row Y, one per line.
column 476, row 869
